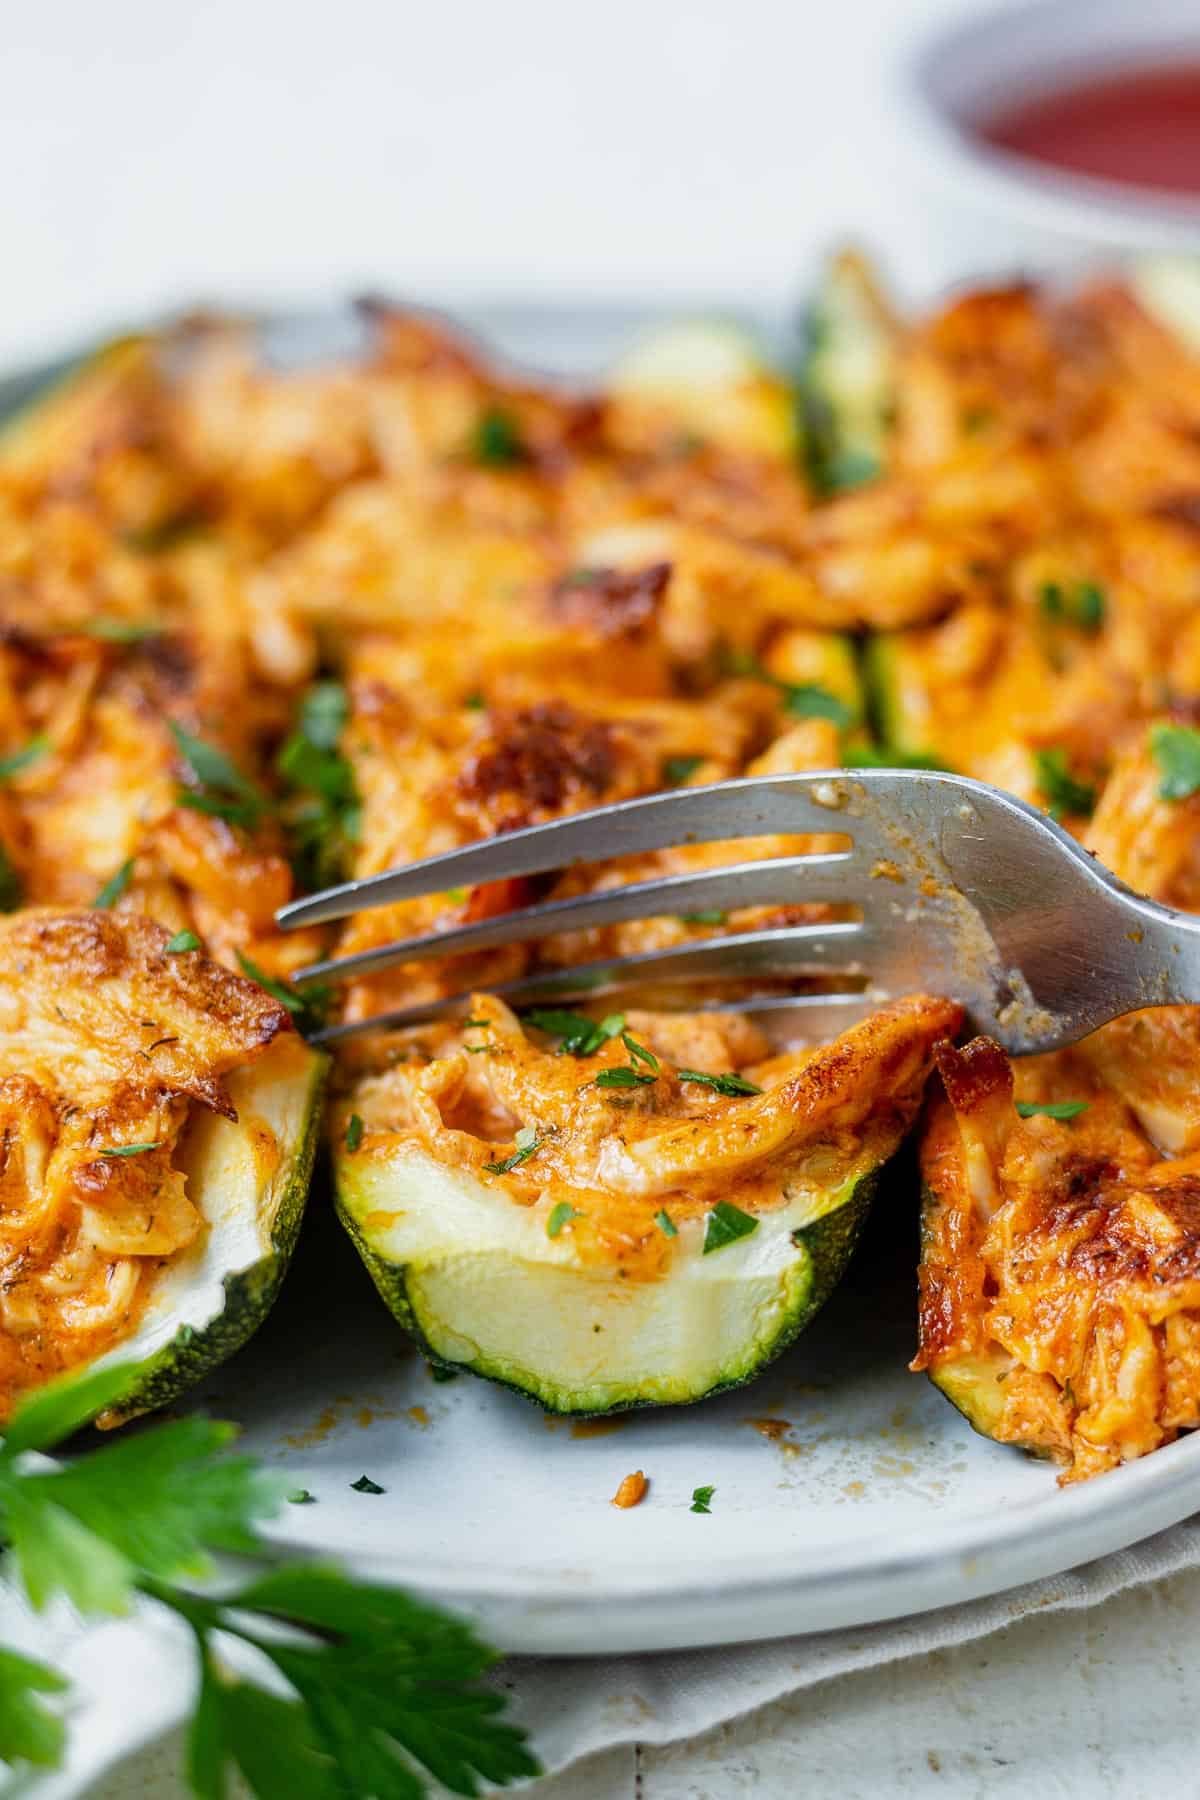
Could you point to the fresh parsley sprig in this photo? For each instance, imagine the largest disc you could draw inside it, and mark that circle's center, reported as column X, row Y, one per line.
column 321, row 812
column 382, row 1691
column 215, row 783
column 308, row 1006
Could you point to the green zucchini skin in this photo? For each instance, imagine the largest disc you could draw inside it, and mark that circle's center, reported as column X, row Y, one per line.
column 249, row 1293
column 823, row 1247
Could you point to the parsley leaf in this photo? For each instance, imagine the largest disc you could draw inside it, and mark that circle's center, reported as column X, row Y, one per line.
column 321, row 813
column 666, row 1223
column 639, row 1052
column 580, row 1036
column 29, row 1731
column 561, row 1215
column 496, row 442
column 354, row 1132
column 119, row 631
column 527, row 1142
column 724, row 1225
column 1083, row 605
column 300, row 1497
column 730, row 1085
column 713, row 917
column 128, row 1149
column 218, row 785
column 700, row 1499
column 17, row 760
column 808, row 701
column 889, row 756
column 11, row 891
column 1051, row 1109
column 1064, row 794
column 623, row 1077
column 114, row 887
column 677, row 770
column 181, row 942
column 364, row 1485
column 1176, row 750
column 309, row 1007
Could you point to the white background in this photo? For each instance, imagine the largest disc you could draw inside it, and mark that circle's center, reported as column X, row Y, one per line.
column 154, row 154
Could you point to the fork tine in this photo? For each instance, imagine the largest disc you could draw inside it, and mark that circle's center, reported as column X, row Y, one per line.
column 748, row 955
column 756, row 806
column 781, row 880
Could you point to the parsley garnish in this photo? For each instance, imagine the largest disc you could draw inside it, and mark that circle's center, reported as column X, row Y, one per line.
column 114, row 887
column 183, row 940
column 129, row 1149
column 119, row 631
column 808, row 701
column 496, row 442
column 17, row 760
column 678, row 769
column 1051, row 1109
column 526, row 1141
column 1176, row 750
column 364, row 1485
column 309, row 1008
column 666, row 1223
column 1082, row 605
column 300, row 1497
column 725, row 1224
column 220, row 789
column 714, row 917
column 354, row 1132
column 1064, row 794
column 889, row 756
column 700, row 1499
column 382, row 1690
column 624, row 1076
column 731, row 1085
column 561, row 1215
column 475, row 702
column 639, row 1052
column 580, row 1036
column 321, row 813
column 11, row 892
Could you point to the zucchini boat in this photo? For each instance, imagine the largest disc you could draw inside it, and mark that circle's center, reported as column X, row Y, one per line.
column 159, row 1121
column 609, row 1225
column 1060, row 1248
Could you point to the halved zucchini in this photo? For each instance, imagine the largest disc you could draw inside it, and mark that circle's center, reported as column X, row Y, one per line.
column 159, row 1118
column 1060, row 1250
column 653, row 1240
column 707, row 379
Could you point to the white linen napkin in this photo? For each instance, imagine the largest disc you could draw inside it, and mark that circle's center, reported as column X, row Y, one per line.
column 132, row 1681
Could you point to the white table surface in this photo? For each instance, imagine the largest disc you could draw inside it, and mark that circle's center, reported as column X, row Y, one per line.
column 257, row 150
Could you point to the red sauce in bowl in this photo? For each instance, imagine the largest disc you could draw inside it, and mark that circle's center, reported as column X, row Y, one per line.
column 1141, row 128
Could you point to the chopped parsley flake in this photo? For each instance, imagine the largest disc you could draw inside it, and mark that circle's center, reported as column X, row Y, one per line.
column 623, row 1077
column 220, row 789
column 1082, row 605
column 364, row 1485
column 120, row 631
column 724, row 1225
column 561, row 1215
column 17, row 760
column 114, row 887
column 580, row 1036
column 527, row 1142
column 322, row 811
column 889, row 756
column 1051, row 1109
column 730, row 1085
column 474, row 702
column 11, row 892
column 1064, row 794
column 1176, row 750
column 496, row 442
column 808, row 701
column 666, row 1223
column 677, row 770
column 183, row 940
column 354, row 1132
column 129, row 1149
column 700, row 1499
column 309, row 1009
column 300, row 1497
column 639, row 1052
column 713, row 917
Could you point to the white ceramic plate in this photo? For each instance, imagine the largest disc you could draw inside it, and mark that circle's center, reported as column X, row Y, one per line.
column 847, row 1489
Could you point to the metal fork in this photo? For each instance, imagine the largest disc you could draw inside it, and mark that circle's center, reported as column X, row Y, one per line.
column 958, row 889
